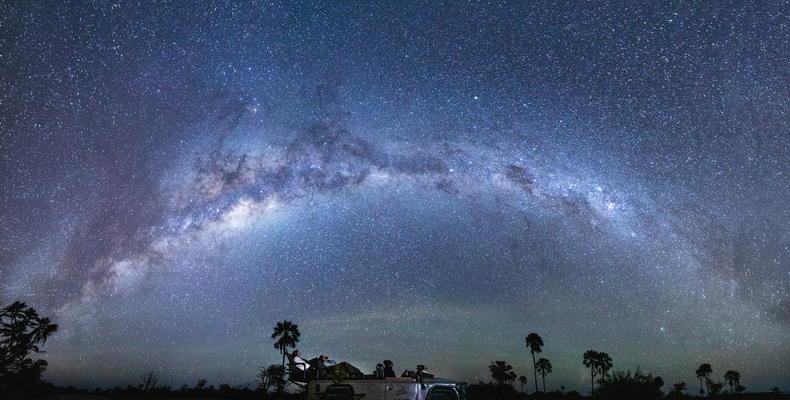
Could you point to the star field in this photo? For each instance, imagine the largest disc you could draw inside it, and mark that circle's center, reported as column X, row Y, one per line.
column 426, row 182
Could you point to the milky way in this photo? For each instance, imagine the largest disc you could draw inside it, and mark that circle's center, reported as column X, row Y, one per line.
column 426, row 183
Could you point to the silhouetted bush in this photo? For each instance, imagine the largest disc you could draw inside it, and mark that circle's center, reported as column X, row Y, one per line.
column 626, row 386
column 272, row 379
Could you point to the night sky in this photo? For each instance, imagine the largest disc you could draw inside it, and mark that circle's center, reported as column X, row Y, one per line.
column 426, row 182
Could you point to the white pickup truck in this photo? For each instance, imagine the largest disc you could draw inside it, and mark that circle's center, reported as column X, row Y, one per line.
column 386, row 389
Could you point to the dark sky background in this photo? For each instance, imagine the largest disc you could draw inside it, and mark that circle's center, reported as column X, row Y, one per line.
column 426, row 182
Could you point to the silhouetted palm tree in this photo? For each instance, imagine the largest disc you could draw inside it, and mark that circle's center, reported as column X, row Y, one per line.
column 604, row 363
column 733, row 379
column 599, row 363
column 502, row 372
column 523, row 381
column 535, row 344
column 22, row 331
column 703, row 373
column 289, row 336
column 589, row 361
column 544, row 368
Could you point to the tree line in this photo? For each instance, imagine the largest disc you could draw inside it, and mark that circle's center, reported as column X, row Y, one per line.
column 23, row 332
column 614, row 385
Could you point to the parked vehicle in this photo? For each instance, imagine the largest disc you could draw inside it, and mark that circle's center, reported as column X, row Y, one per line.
column 386, row 389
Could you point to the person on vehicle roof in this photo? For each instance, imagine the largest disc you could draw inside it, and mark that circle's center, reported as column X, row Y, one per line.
column 299, row 362
column 388, row 371
column 320, row 364
column 379, row 372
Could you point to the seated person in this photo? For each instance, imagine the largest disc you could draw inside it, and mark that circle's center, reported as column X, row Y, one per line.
column 421, row 372
column 320, row 364
column 388, row 371
column 299, row 365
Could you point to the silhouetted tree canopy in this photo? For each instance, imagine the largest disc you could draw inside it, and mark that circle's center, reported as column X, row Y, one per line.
column 703, row 374
column 22, row 332
column 502, row 372
column 544, row 368
column 272, row 378
column 715, row 388
column 733, row 379
column 288, row 334
column 626, row 386
column 599, row 364
column 523, row 381
column 535, row 345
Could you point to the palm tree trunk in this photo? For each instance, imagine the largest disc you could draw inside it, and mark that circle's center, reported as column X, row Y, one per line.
column 707, row 385
column 283, row 351
column 535, row 371
column 544, row 383
column 592, row 381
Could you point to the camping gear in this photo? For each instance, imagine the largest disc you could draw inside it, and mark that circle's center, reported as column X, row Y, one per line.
column 343, row 371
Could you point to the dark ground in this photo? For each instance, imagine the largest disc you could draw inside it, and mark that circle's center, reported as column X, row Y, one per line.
column 251, row 395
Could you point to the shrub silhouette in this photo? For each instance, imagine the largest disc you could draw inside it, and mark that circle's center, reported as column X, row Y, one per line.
column 148, row 381
column 626, row 386
column 272, row 377
column 714, row 388
column 677, row 391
